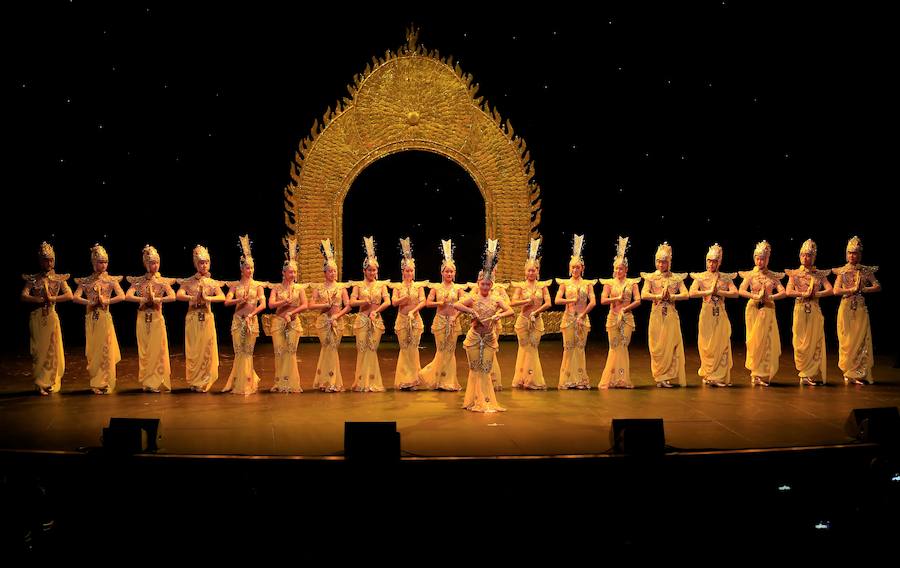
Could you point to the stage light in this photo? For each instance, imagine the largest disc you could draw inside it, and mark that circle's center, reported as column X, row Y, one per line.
column 784, row 488
column 896, row 477
column 823, row 525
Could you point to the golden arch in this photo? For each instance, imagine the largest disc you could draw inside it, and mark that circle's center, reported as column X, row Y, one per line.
column 412, row 99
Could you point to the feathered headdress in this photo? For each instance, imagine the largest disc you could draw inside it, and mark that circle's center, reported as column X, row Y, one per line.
column 621, row 249
column 491, row 257
column 714, row 253
column 664, row 251
column 406, row 252
column 328, row 254
column 200, row 253
column 447, row 253
column 98, row 253
column 291, row 251
column 371, row 259
column 246, row 256
column 763, row 250
column 533, row 249
column 577, row 246
column 854, row 245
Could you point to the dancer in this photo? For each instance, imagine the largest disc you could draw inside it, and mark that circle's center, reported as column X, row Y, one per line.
column 622, row 296
column 714, row 328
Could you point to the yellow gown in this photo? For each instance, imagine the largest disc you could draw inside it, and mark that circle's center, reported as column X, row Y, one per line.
column 440, row 374
column 573, row 370
column 201, row 348
column 328, row 367
column 619, row 328
column 808, row 325
column 368, row 332
column 154, row 368
column 664, row 333
column 528, row 372
column 499, row 292
column 285, row 338
column 409, row 331
column 243, row 378
column 855, row 355
column 480, row 351
column 714, row 329
column 101, row 345
column 47, row 357
column 763, row 339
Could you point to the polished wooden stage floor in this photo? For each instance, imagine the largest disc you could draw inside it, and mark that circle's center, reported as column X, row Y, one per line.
column 431, row 423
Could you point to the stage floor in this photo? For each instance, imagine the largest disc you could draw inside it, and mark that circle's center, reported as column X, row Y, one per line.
column 432, row 423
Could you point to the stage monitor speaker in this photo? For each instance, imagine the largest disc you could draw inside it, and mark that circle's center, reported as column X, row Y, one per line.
column 371, row 441
column 637, row 436
column 131, row 435
column 878, row 425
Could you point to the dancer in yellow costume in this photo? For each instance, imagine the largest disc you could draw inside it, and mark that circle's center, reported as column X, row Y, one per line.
column 440, row 374
column 500, row 291
column 331, row 300
column 97, row 292
column 664, row 288
column 150, row 292
column 577, row 295
column 714, row 328
column 409, row 298
column 371, row 297
column 855, row 355
column 534, row 299
column 288, row 299
column 46, row 288
column 248, row 296
column 622, row 296
column 481, row 340
column 806, row 285
column 201, row 349
column 762, row 288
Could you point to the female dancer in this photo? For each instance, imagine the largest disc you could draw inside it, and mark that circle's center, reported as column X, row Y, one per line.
column 248, row 297
column 288, row 299
column 762, row 288
column 806, row 285
column 855, row 355
column 409, row 297
column 533, row 297
column 440, row 374
column 150, row 292
column 332, row 301
column 201, row 351
column 97, row 292
column 664, row 288
column 577, row 295
column 714, row 329
column 46, row 288
column 371, row 297
column 622, row 296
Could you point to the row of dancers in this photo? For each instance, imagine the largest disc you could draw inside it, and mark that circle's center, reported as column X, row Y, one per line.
column 487, row 302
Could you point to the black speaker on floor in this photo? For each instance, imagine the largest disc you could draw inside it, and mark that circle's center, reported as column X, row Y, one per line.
column 637, row 436
column 371, row 441
column 131, row 435
column 878, row 425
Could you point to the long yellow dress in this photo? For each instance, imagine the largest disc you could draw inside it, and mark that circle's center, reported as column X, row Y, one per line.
column 47, row 357
column 440, row 373
column 763, row 339
column 285, row 338
column 499, row 292
column 573, row 370
column 855, row 355
column 664, row 333
column 154, row 368
column 528, row 373
column 481, row 347
column 409, row 331
column 714, row 329
column 368, row 332
column 201, row 348
column 619, row 328
column 243, row 378
column 808, row 325
column 101, row 345
column 328, row 367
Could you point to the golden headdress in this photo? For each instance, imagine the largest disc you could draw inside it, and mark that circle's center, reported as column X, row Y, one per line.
column 854, row 245
column 46, row 251
column 291, row 251
column 577, row 246
column 715, row 253
column 809, row 247
column 491, row 257
column 621, row 248
column 664, row 251
column 406, row 251
column 447, row 252
column 246, row 255
column 371, row 259
column 328, row 254
column 149, row 253
column 200, row 253
column 763, row 250
column 533, row 248
column 98, row 253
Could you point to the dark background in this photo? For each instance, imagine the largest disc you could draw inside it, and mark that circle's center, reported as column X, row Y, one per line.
column 691, row 122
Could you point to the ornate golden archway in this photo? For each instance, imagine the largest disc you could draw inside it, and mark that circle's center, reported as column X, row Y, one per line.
column 412, row 100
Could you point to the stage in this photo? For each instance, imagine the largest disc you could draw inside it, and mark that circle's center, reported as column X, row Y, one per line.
column 432, row 424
